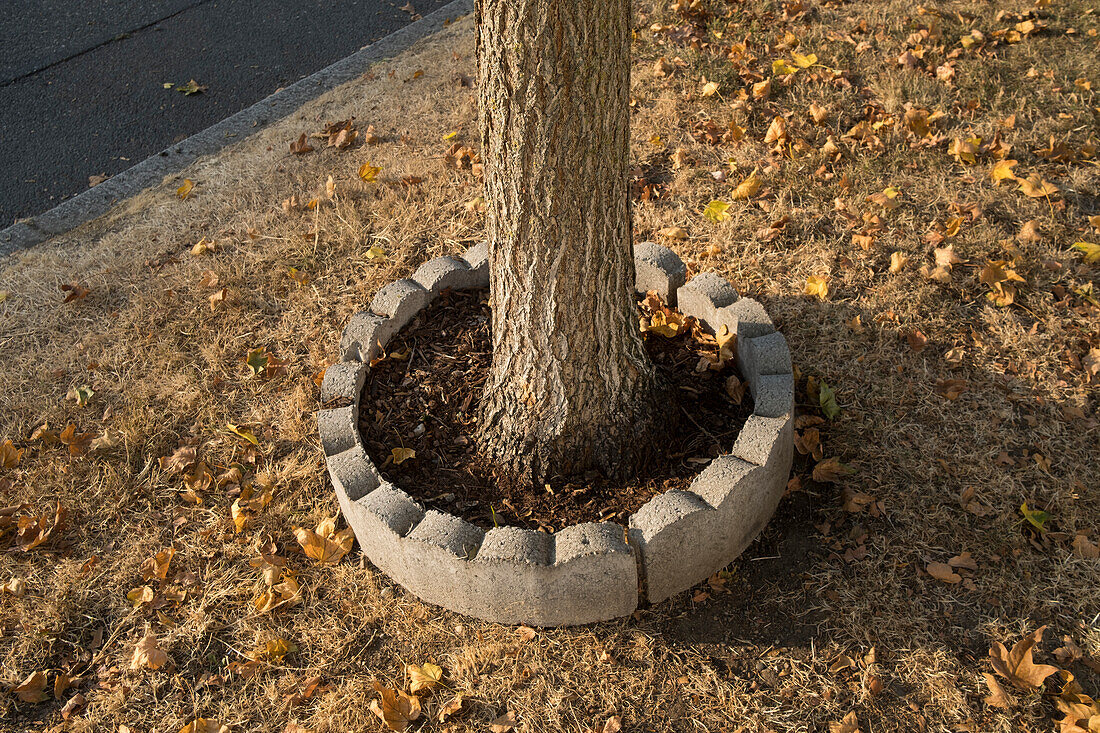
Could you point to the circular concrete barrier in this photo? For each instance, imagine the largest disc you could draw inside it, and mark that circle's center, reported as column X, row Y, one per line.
column 586, row 572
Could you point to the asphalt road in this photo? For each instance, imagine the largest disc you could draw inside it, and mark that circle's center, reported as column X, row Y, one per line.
column 82, row 83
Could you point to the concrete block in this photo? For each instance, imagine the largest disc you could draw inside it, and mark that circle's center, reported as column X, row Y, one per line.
column 672, row 532
column 393, row 507
column 703, row 295
column 477, row 257
column 658, row 268
column 445, row 273
column 773, row 395
column 757, row 440
column 512, row 544
column 353, row 473
column 343, row 381
column 761, row 356
column 751, row 318
column 400, row 300
column 338, row 429
column 366, row 336
column 448, row 533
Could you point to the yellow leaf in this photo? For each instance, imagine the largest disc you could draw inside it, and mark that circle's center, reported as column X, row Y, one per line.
column 325, row 550
column 818, row 286
column 716, row 211
column 148, row 654
column 804, row 62
column 242, row 432
column 423, row 678
column 204, row 725
column 1035, row 187
column 952, row 225
column 275, row 650
column 965, row 151
column 368, row 172
column 748, row 187
column 780, row 67
column 1090, row 250
column 376, row 253
column 185, row 190
column 710, row 88
column 449, row 135
column 400, row 455
column 1003, row 171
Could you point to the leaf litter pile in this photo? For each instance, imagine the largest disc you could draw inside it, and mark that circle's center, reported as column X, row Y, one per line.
column 418, row 418
column 913, row 193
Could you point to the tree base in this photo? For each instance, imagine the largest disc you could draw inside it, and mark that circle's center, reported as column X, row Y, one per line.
column 620, row 447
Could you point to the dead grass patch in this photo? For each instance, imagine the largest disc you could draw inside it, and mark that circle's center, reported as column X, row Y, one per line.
column 841, row 569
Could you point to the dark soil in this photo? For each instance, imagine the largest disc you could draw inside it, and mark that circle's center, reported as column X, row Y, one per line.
column 424, row 395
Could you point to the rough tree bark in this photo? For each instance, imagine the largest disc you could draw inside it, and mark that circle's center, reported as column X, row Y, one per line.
column 571, row 387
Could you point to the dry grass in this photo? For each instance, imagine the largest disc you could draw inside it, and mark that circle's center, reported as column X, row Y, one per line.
column 822, row 582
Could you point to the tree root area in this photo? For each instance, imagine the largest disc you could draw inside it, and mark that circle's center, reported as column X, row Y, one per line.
column 423, row 397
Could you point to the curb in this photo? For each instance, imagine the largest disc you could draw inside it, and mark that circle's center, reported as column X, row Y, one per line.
column 97, row 201
column 586, row 572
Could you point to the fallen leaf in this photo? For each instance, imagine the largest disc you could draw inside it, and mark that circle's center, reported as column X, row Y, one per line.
column 204, row 725
column 190, row 88
column 674, row 233
column 826, row 399
column 148, row 654
column 942, row 572
column 898, row 261
column 75, row 703
column 503, row 723
column 400, row 455
column 1037, row 517
column 396, row 709
column 325, row 548
column 1085, row 549
column 32, row 689
column 1035, row 187
column 916, row 340
column 1090, row 250
column 717, row 211
column 816, row 286
column 849, row 724
column 997, row 698
column 10, row 455
column 74, row 292
column 301, row 146
column 423, row 678
column 242, row 432
column 831, row 470
column 185, row 190
column 748, row 187
column 1017, row 666
column 450, row 707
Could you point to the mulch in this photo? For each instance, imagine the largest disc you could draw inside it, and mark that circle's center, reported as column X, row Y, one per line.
column 424, row 395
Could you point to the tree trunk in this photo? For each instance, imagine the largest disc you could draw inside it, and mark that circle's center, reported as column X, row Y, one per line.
column 571, row 387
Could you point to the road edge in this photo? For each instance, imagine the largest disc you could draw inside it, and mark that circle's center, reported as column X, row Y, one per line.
column 97, row 201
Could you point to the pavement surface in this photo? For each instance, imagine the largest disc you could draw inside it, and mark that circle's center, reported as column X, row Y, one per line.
column 82, row 84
